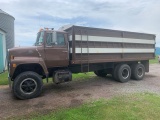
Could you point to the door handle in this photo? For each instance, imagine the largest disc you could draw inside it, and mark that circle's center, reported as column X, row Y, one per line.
column 65, row 51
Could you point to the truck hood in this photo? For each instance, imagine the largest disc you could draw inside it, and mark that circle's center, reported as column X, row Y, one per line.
column 24, row 52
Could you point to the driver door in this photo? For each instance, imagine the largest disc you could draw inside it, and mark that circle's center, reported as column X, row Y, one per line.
column 56, row 50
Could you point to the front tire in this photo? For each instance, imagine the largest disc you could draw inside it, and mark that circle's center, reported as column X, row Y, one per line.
column 27, row 85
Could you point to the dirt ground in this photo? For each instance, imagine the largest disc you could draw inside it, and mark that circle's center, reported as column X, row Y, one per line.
column 75, row 93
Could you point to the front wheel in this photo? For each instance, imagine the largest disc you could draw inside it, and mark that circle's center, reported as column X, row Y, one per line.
column 27, row 85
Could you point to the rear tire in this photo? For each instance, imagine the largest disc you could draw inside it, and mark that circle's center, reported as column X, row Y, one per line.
column 138, row 71
column 115, row 71
column 100, row 73
column 123, row 73
column 27, row 85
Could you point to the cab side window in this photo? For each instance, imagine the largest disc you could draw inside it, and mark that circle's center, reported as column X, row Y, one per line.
column 60, row 39
column 55, row 39
column 49, row 39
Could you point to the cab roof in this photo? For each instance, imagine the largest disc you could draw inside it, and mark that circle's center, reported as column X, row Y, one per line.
column 52, row 30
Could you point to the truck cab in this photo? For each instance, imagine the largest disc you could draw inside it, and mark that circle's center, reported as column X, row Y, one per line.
column 53, row 45
column 48, row 55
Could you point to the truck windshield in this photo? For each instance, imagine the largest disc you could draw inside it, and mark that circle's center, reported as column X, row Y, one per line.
column 39, row 40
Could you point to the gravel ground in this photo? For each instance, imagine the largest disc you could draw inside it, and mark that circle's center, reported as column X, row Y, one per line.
column 75, row 93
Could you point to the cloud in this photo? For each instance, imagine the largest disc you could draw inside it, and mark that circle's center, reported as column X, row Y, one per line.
column 30, row 16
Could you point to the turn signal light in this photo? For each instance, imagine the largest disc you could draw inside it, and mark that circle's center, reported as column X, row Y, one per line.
column 14, row 65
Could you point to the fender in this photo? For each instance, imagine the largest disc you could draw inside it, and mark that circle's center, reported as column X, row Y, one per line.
column 19, row 61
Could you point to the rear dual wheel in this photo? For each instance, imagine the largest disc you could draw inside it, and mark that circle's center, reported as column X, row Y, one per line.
column 122, row 73
column 138, row 71
column 100, row 73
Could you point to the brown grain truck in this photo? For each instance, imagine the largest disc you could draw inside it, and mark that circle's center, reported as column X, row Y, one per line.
column 76, row 49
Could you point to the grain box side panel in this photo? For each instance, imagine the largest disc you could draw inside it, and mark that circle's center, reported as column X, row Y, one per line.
column 101, row 45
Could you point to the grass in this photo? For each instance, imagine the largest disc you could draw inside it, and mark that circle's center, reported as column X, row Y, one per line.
column 4, row 78
column 82, row 76
column 140, row 106
column 154, row 60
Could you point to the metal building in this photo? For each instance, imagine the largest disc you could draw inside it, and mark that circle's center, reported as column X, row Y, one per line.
column 6, row 36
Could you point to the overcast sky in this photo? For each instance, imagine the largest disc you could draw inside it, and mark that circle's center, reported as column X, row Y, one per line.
column 129, row 15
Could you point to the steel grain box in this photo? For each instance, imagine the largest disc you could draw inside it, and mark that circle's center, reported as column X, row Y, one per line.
column 95, row 45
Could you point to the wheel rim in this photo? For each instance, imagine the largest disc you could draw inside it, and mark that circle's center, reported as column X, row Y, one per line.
column 28, row 86
column 140, row 72
column 125, row 73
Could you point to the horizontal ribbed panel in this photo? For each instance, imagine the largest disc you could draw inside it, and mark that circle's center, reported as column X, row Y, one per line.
column 111, row 50
column 7, row 25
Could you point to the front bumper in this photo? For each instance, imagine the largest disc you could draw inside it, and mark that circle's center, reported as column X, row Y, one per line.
column 10, row 82
column 9, row 78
